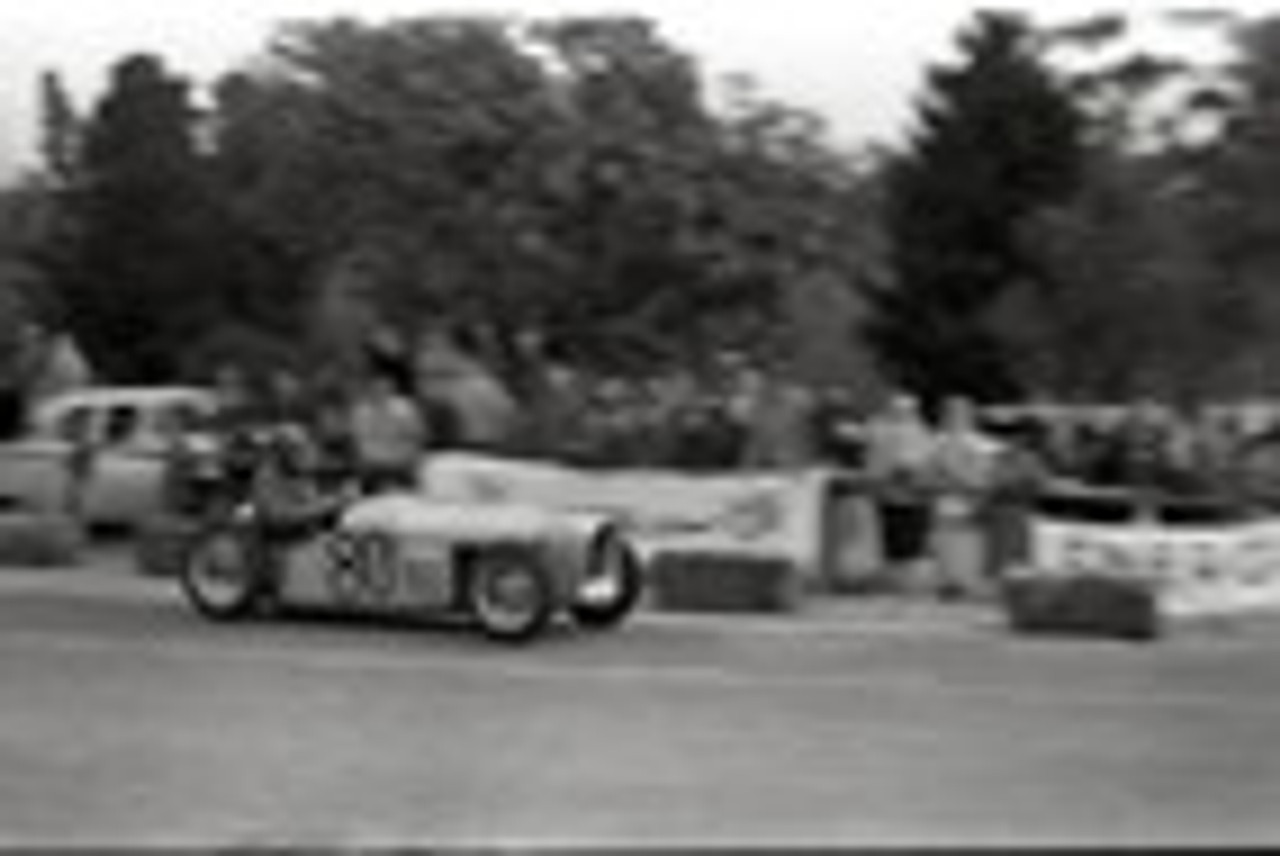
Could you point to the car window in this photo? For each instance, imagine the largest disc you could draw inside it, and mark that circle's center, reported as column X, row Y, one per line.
column 174, row 420
column 75, row 425
column 122, row 424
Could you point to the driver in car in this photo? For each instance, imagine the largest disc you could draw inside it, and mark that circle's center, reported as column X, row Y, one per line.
column 291, row 503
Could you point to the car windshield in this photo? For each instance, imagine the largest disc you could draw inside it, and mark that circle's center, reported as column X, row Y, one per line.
column 74, row 426
column 122, row 423
column 177, row 419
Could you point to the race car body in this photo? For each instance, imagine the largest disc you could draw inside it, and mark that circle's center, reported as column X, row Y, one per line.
column 512, row 569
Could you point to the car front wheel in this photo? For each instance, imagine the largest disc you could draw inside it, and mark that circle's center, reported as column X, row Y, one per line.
column 221, row 576
column 510, row 594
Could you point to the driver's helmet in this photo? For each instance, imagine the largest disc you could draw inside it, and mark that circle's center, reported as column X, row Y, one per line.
column 290, row 449
column 241, row 450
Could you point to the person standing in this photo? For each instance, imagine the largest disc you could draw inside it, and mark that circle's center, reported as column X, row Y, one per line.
column 900, row 458
column 388, row 434
column 61, row 367
column 779, row 425
column 965, row 463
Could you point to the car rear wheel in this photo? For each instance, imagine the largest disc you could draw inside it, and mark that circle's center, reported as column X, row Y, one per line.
column 613, row 584
column 221, row 577
column 510, row 594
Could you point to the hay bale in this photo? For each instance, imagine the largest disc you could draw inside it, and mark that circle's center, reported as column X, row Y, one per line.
column 1088, row 605
column 161, row 545
column 718, row 582
column 39, row 540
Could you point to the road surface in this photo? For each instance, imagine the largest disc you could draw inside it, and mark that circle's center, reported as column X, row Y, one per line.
column 127, row 721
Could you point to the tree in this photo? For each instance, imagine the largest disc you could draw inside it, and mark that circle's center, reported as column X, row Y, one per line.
column 61, row 130
column 154, row 262
column 1130, row 302
column 1128, row 261
column 1239, row 191
column 563, row 175
column 997, row 139
column 23, row 212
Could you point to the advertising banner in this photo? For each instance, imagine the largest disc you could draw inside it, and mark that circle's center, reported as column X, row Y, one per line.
column 1194, row 570
column 775, row 515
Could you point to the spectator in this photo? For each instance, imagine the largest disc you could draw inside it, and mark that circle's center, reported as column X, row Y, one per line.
column 286, row 402
column 388, row 435
column 900, row 450
column 452, row 381
column 609, row 425
column 558, row 412
column 486, row 413
column 1204, row 452
column 703, row 438
column 965, row 464
column 235, row 417
column 1138, row 454
column 1020, row 472
column 779, row 426
column 837, row 430
column 234, row 398
column 387, row 355
column 59, row 367
column 331, row 429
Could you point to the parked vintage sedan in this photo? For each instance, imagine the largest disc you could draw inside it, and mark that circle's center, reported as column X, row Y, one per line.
column 103, row 449
column 511, row 569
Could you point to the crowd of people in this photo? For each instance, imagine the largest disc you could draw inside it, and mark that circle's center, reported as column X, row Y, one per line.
column 952, row 492
column 382, row 419
column 729, row 413
column 941, row 478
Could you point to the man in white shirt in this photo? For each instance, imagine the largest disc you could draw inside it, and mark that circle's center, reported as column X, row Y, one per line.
column 389, row 436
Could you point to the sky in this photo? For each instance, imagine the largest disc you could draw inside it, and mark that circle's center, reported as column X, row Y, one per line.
column 858, row 63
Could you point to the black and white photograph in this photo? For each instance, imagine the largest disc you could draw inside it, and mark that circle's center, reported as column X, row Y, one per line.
column 535, row 425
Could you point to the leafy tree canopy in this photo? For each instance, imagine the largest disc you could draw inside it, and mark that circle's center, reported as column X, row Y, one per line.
column 997, row 138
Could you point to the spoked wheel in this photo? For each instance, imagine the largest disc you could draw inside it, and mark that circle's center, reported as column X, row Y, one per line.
column 222, row 577
column 613, row 584
column 510, row 594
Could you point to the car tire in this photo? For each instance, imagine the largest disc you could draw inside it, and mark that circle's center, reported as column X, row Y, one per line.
column 509, row 593
column 614, row 565
column 222, row 576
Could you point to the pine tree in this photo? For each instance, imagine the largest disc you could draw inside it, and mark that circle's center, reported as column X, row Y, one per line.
column 60, row 130
column 997, row 138
column 160, row 265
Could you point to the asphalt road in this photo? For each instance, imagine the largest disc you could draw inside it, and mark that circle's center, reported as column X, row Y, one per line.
column 125, row 720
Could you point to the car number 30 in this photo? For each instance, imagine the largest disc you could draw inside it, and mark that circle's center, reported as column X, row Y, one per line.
column 370, row 570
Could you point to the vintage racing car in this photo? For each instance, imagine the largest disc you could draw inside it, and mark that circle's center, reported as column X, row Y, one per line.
column 512, row 569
